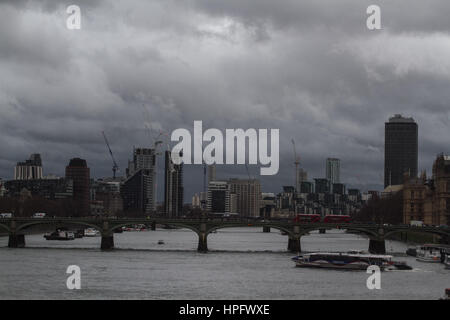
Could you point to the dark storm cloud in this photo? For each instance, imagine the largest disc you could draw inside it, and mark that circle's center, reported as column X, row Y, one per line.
column 309, row 68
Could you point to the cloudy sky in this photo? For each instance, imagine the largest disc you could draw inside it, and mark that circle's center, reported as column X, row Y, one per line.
column 310, row 68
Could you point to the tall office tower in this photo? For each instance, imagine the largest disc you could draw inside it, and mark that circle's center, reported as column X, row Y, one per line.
column 248, row 193
column 302, row 177
column 173, row 187
column 333, row 170
column 218, row 197
column 144, row 166
column 30, row 169
column 211, row 173
column 79, row 173
column 400, row 149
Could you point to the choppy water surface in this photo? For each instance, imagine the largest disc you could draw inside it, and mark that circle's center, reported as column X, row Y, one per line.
column 244, row 263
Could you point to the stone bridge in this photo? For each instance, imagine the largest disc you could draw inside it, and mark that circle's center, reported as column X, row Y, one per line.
column 17, row 228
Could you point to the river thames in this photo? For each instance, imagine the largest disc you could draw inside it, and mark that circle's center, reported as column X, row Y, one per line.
column 243, row 263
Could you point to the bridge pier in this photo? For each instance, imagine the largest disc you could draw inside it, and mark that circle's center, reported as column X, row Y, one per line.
column 202, row 242
column 294, row 245
column 107, row 243
column 16, row 241
column 266, row 229
column 377, row 246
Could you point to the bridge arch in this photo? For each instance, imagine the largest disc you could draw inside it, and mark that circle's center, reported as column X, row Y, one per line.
column 5, row 227
column 367, row 232
column 437, row 232
column 175, row 224
column 275, row 226
column 63, row 223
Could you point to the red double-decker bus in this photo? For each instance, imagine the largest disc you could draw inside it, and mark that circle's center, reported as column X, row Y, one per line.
column 307, row 218
column 332, row 218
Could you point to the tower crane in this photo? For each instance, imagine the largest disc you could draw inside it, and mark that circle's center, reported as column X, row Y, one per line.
column 296, row 162
column 115, row 167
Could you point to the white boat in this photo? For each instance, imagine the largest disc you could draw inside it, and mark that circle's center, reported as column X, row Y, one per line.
column 430, row 253
column 91, row 232
column 447, row 295
column 447, row 260
column 60, row 235
column 136, row 227
column 343, row 261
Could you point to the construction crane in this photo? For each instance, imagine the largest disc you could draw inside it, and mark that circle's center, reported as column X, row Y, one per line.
column 115, row 167
column 296, row 162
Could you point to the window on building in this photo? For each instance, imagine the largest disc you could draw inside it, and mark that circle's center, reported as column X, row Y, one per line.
column 412, row 194
column 448, row 186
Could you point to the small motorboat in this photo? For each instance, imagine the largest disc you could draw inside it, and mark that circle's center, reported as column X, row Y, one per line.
column 91, row 232
column 160, row 241
column 400, row 265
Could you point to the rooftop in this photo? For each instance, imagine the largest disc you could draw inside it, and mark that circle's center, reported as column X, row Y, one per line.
column 399, row 118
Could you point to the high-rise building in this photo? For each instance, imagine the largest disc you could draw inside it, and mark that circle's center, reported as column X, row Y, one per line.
column 248, row 193
column 144, row 165
column 2, row 188
column 339, row 188
column 79, row 173
column 400, row 150
column 302, row 176
column 173, row 187
column 322, row 186
column 218, row 197
column 107, row 193
column 306, row 187
column 136, row 192
column 30, row 169
column 196, row 201
column 211, row 173
column 333, row 170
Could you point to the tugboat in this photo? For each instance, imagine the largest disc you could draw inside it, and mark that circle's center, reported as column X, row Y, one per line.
column 60, row 235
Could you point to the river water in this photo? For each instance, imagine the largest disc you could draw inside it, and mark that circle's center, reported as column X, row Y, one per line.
column 243, row 263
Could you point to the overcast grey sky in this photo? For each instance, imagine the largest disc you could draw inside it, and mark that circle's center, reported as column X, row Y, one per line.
column 310, row 68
